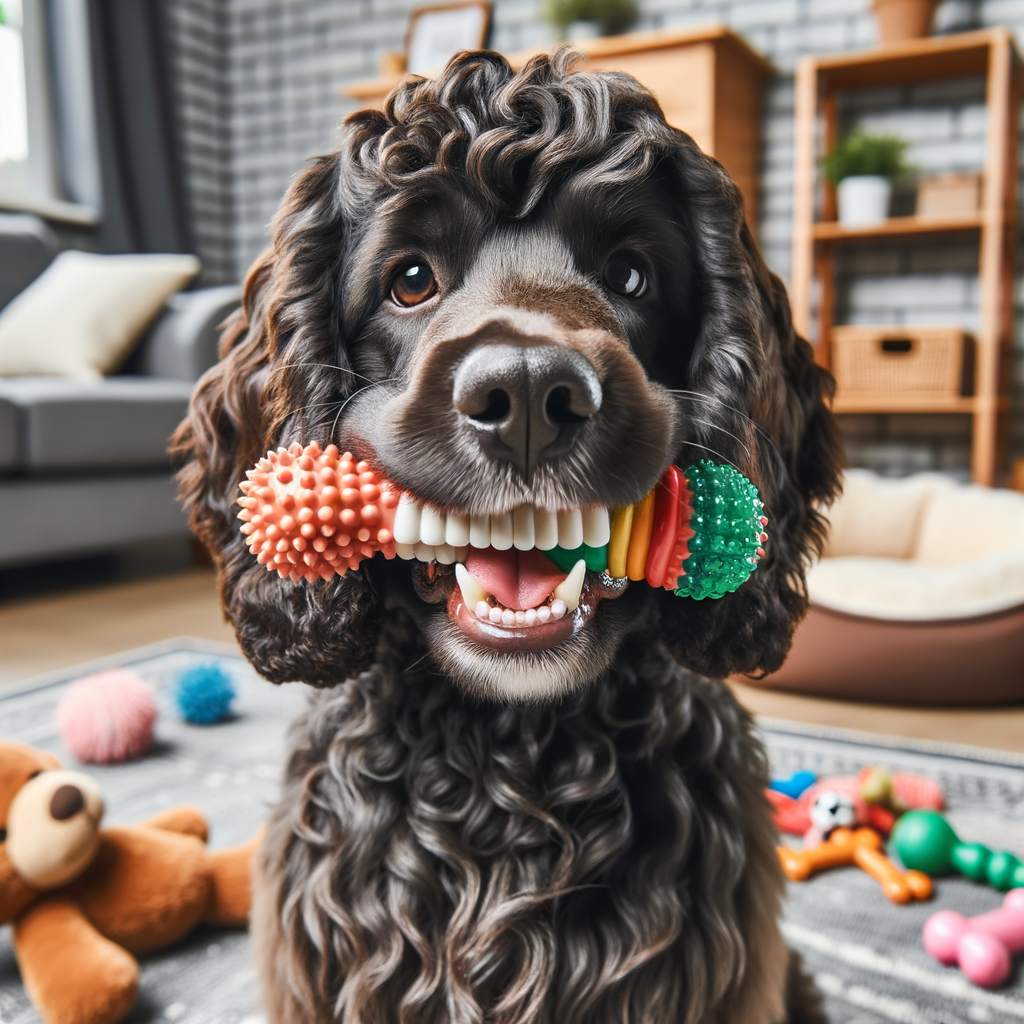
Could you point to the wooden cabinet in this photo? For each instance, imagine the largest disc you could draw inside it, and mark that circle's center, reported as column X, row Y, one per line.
column 818, row 81
column 708, row 81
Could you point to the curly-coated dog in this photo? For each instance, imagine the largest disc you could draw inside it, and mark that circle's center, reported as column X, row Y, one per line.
column 517, row 289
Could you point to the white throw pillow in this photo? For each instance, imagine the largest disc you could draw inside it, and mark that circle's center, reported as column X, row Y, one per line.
column 82, row 316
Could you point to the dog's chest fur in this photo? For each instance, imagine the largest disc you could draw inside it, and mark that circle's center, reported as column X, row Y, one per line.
column 435, row 858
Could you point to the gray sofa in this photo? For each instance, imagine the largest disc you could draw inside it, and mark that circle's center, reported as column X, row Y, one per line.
column 83, row 466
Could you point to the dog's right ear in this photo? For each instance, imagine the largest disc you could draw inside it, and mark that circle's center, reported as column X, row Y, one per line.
column 281, row 378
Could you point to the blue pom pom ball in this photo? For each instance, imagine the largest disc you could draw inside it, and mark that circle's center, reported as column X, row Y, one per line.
column 204, row 694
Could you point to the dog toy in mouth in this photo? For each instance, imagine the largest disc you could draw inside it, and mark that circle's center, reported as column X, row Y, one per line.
column 312, row 514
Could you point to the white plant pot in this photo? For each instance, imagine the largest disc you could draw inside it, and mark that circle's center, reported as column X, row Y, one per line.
column 864, row 200
column 580, row 31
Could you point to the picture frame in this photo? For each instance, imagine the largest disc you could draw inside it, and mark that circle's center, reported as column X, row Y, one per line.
column 438, row 32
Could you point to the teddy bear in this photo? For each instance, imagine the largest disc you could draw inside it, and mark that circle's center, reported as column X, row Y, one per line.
column 86, row 901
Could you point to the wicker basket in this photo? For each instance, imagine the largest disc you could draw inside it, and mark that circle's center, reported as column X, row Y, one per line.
column 933, row 362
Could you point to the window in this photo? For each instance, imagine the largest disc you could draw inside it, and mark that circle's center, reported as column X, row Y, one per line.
column 13, row 107
column 30, row 171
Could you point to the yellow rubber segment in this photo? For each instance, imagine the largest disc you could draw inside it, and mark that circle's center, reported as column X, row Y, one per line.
column 640, row 538
column 622, row 523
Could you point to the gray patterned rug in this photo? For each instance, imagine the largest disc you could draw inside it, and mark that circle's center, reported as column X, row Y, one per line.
column 865, row 953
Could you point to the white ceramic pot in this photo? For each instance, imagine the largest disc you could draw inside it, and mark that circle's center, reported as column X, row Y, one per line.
column 580, row 31
column 864, row 200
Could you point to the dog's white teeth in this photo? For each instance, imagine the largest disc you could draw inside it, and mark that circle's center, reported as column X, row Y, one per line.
column 545, row 529
column 597, row 528
column 543, row 614
column 418, row 527
column 407, row 521
column 472, row 593
column 502, row 532
column 522, row 528
column 480, row 531
column 445, row 554
column 424, row 552
column 570, row 529
column 568, row 591
column 432, row 526
column 456, row 530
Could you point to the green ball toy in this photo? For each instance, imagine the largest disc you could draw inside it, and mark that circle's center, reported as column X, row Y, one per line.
column 926, row 842
column 728, row 527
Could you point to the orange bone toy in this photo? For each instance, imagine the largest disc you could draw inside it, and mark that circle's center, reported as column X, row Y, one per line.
column 312, row 514
column 863, row 848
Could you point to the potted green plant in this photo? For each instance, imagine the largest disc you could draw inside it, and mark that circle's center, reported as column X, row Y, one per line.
column 863, row 168
column 581, row 19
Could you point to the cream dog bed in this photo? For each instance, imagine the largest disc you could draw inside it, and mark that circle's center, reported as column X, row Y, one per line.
column 919, row 597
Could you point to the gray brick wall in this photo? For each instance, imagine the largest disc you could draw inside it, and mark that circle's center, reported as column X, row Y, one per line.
column 197, row 29
column 258, row 84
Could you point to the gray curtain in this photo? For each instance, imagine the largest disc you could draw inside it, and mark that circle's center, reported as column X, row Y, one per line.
column 115, row 122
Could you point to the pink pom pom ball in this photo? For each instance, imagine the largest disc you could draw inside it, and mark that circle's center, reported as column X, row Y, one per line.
column 108, row 717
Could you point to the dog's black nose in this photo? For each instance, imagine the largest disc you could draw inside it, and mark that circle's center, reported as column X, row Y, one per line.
column 527, row 402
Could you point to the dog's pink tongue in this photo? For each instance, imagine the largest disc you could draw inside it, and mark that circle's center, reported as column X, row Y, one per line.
column 518, row 579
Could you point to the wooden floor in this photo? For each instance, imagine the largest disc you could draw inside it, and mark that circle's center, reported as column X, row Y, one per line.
column 47, row 633
column 44, row 634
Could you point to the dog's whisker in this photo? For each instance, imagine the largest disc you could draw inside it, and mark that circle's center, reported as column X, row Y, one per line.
column 685, row 393
column 326, row 366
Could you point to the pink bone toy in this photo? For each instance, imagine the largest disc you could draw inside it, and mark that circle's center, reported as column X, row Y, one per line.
column 980, row 945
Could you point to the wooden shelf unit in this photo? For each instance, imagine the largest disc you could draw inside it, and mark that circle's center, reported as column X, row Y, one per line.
column 993, row 54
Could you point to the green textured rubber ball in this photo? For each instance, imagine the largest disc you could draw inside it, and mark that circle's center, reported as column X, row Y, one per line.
column 727, row 528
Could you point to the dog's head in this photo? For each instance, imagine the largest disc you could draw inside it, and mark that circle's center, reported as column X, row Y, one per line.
column 514, row 294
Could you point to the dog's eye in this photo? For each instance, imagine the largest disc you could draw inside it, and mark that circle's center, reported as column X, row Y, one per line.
column 624, row 278
column 413, row 285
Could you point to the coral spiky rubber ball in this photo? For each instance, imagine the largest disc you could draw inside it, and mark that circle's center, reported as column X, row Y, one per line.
column 312, row 514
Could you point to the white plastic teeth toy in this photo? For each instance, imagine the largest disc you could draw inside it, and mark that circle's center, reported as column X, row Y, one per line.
column 426, row 533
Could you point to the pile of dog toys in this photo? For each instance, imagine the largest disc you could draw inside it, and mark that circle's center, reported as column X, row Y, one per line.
column 846, row 820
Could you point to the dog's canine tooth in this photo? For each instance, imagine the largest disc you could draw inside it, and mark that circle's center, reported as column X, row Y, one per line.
column 570, row 529
column 597, row 529
column 432, row 526
column 472, row 592
column 545, row 529
column 569, row 589
column 445, row 554
column 522, row 528
column 405, row 551
column 424, row 552
column 407, row 521
column 501, row 532
column 456, row 530
column 480, row 531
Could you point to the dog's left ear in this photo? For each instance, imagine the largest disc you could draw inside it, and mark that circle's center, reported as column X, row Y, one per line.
column 282, row 377
column 755, row 397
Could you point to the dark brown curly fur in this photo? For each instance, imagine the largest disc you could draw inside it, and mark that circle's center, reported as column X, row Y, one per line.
column 437, row 856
